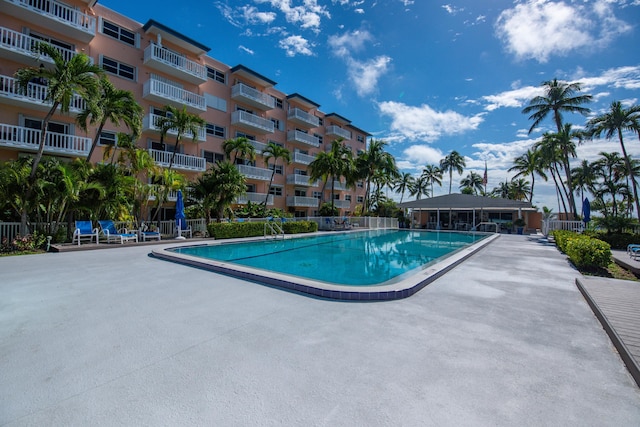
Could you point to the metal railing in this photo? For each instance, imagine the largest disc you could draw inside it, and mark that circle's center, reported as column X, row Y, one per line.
column 304, row 159
column 336, row 130
column 152, row 122
column 273, row 229
column 21, row 137
column 297, row 179
column 254, row 172
column 254, row 198
column 35, row 93
column 181, row 161
column 549, row 226
column 174, row 93
column 179, row 62
column 252, row 120
column 25, row 44
column 241, row 90
column 60, row 12
column 301, row 201
column 305, row 138
column 310, row 119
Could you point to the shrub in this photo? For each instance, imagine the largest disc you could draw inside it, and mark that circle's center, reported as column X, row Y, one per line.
column 617, row 240
column 226, row 230
column 28, row 243
column 587, row 252
column 300, row 227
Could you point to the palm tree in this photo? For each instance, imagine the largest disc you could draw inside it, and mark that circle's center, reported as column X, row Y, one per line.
column 583, row 177
column 403, row 184
column 559, row 97
column 519, row 189
column 182, row 123
column 219, row 187
column 616, row 121
column 501, row 191
column 275, row 152
column 529, row 164
column 332, row 164
column 433, row 175
column 75, row 76
column 239, row 147
column 420, row 187
column 472, row 182
column 114, row 105
column 454, row 161
column 375, row 159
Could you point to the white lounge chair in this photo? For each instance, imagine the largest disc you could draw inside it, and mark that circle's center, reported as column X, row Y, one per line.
column 108, row 229
column 84, row 229
column 147, row 234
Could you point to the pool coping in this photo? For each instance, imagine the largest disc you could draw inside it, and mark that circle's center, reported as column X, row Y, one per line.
column 403, row 288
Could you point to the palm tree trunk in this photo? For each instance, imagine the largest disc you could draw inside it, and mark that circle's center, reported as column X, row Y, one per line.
column 533, row 182
column 450, row 179
column 95, row 140
column 43, row 137
column 630, row 172
column 175, row 150
column 273, row 172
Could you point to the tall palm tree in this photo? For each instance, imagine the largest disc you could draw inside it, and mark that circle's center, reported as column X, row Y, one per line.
column 502, row 190
column 182, row 123
column 616, row 121
column 433, row 175
column 528, row 164
column 519, row 189
column 240, row 147
column 403, row 184
column 375, row 159
column 275, row 152
column 473, row 182
column 420, row 187
column 559, row 97
column 114, row 105
column 218, row 188
column 452, row 162
column 332, row 164
column 583, row 177
column 77, row 75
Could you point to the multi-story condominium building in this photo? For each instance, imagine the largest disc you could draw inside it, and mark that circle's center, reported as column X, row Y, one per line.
column 161, row 66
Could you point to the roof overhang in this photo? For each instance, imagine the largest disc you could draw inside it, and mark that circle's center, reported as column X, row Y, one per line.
column 174, row 37
column 338, row 118
column 305, row 102
column 249, row 74
column 467, row 202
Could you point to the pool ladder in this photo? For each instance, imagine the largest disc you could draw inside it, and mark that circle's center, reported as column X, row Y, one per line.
column 272, row 229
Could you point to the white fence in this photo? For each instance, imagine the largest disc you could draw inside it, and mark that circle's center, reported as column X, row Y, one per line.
column 9, row 230
column 549, row 226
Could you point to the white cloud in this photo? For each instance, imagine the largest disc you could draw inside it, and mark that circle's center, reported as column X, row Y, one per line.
column 296, row 45
column 424, row 123
column 452, row 10
column 246, row 49
column 253, row 16
column 348, row 43
column 514, row 98
column 538, row 29
column 365, row 75
column 308, row 15
column 418, row 156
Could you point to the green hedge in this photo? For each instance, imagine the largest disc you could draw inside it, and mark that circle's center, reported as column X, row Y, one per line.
column 616, row 240
column 582, row 250
column 229, row 230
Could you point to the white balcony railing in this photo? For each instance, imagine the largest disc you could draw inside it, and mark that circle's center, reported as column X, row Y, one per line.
column 34, row 95
column 254, row 172
column 342, row 204
column 305, row 138
column 256, row 123
column 171, row 197
column 166, row 60
column 259, row 146
column 181, row 161
column 337, row 185
column 152, row 122
column 164, row 91
column 301, row 116
column 255, row 198
column 253, row 96
column 54, row 13
column 299, row 201
column 23, row 138
column 297, row 179
column 336, row 130
column 24, row 45
column 304, row 159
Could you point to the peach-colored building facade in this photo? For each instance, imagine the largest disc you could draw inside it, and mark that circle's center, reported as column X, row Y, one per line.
column 163, row 67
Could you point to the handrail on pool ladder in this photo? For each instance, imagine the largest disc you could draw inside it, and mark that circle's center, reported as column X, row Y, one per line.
column 274, row 229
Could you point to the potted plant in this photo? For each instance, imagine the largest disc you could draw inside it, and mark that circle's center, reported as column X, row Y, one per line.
column 508, row 226
column 519, row 223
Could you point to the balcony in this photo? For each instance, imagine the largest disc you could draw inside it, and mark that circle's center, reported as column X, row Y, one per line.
column 259, row 146
column 22, row 138
column 298, row 201
column 296, row 179
column 171, row 197
column 169, row 62
column 34, row 98
column 253, row 172
column 19, row 47
column 248, row 95
column 254, row 198
column 303, row 159
column 161, row 92
column 151, row 122
column 337, row 186
column 251, row 122
column 303, row 118
column 338, row 131
column 54, row 15
column 342, row 204
column 305, row 138
column 181, row 161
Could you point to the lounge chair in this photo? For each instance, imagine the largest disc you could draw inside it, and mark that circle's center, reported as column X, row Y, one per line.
column 182, row 228
column 108, row 229
column 633, row 250
column 84, row 229
column 147, row 234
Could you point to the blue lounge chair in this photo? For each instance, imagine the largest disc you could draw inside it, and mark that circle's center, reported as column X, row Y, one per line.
column 84, row 229
column 108, row 229
column 633, row 250
column 147, row 234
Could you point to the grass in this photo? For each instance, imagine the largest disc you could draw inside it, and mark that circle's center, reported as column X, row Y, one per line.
column 612, row 271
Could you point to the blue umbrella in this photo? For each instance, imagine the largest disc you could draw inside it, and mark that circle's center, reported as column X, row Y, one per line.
column 586, row 210
column 180, row 218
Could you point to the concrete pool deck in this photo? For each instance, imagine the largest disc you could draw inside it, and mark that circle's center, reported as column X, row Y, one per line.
column 115, row 337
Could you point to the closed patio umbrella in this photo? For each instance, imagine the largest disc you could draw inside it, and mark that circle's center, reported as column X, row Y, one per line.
column 586, row 211
column 180, row 218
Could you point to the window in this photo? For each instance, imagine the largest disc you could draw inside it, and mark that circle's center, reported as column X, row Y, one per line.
column 249, row 137
column 279, row 144
column 279, row 103
column 299, row 192
column 118, row 68
column 216, row 75
column 360, row 199
column 251, row 188
column 336, row 197
column 211, row 157
column 62, row 128
column 277, row 124
column 319, row 137
column 360, row 184
column 215, row 102
column 275, row 190
column 317, row 194
column 215, row 130
column 278, row 168
column 53, row 42
column 107, row 138
column 300, row 172
column 347, row 197
column 119, row 33
column 360, row 138
column 320, row 121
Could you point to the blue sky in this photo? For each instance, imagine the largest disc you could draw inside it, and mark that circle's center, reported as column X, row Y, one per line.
column 428, row 77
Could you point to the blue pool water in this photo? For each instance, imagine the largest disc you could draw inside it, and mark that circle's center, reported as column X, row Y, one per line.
column 354, row 259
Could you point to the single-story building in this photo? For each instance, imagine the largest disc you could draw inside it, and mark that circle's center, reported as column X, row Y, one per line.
column 465, row 211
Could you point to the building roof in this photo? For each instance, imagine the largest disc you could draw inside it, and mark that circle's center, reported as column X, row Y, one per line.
column 254, row 76
column 154, row 27
column 338, row 118
column 303, row 100
column 466, row 201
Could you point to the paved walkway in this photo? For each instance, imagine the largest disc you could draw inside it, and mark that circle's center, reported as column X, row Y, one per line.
column 115, row 337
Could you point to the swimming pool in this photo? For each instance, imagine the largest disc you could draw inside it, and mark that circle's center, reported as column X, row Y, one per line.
column 372, row 264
